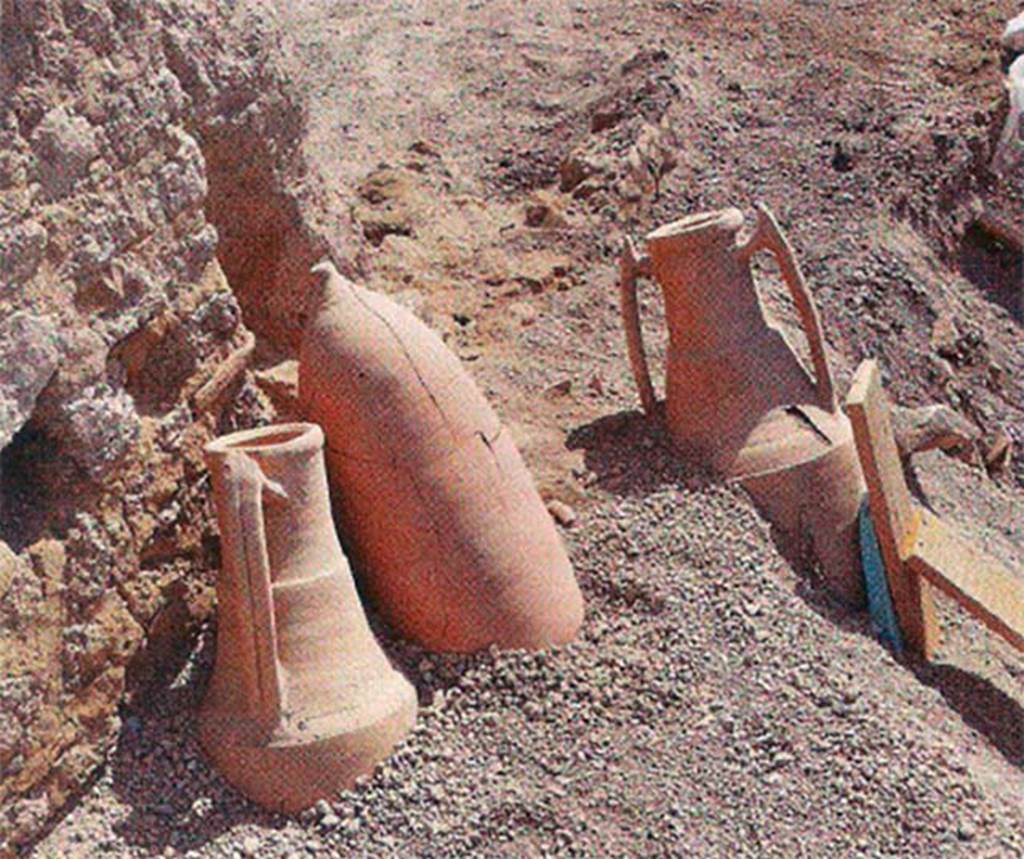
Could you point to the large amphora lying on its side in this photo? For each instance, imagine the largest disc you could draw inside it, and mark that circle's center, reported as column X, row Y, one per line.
column 737, row 397
column 302, row 700
column 450, row 537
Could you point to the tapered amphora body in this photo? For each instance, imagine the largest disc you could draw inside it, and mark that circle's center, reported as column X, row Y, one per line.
column 452, row 541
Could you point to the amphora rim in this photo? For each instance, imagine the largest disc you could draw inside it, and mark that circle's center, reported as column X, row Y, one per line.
column 271, row 440
column 718, row 225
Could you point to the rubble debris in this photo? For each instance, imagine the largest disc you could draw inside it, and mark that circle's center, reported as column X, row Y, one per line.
column 280, row 383
column 936, row 426
column 998, row 452
column 563, row 514
column 226, row 374
column 546, row 210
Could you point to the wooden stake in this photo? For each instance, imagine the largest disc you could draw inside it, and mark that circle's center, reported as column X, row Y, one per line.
column 892, row 511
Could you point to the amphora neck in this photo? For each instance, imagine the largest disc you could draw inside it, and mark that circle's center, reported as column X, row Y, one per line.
column 328, row 288
column 703, row 274
column 280, row 450
column 694, row 233
column 273, row 479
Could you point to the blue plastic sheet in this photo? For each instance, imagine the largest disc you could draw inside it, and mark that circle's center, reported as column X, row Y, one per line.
column 876, row 583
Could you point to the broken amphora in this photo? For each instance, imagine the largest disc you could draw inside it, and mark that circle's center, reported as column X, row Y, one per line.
column 450, row 537
column 737, row 396
column 302, row 699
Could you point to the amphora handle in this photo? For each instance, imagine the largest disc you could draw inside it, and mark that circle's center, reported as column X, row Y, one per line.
column 246, row 485
column 768, row 237
column 631, row 266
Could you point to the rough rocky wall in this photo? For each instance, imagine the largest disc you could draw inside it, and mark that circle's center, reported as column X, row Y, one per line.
column 129, row 131
column 274, row 219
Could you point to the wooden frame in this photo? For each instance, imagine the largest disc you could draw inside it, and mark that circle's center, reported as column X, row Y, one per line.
column 918, row 549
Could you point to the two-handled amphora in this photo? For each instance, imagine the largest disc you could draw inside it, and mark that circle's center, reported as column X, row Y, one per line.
column 302, row 699
column 737, row 397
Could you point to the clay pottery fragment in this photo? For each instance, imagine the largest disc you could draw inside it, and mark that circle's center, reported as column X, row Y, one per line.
column 813, row 497
column 737, row 397
column 450, row 537
column 302, row 700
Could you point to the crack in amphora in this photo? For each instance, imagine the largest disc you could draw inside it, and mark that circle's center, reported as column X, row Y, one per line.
column 408, row 357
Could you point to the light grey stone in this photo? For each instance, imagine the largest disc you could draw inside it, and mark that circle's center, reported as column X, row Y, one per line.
column 92, row 554
column 100, row 427
column 21, row 592
column 29, row 354
column 1013, row 35
column 93, row 22
column 64, row 144
column 21, row 250
column 182, row 183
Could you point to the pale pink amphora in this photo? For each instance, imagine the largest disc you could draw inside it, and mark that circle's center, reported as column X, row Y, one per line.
column 450, row 538
column 302, row 700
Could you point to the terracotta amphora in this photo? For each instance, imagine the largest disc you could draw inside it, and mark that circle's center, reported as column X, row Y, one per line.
column 737, row 397
column 449, row 535
column 302, row 699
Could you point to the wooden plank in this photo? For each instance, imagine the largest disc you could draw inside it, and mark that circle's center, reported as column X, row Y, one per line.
column 869, row 413
column 978, row 582
column 892, row 510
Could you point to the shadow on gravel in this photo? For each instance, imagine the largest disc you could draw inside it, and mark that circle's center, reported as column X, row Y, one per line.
column 994, row 267
column 158, row 770
column 631, row 455
column 982, row 705
column 178, row 801
column 811, row 588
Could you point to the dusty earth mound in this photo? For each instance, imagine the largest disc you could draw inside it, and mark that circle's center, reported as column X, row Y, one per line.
column 483, row 162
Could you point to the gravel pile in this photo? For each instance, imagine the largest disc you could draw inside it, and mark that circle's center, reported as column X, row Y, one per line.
column 714, row 705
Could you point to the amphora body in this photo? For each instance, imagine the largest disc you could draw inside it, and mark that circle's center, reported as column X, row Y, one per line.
column 737, row 397
column 302, row 699
column 451, row 538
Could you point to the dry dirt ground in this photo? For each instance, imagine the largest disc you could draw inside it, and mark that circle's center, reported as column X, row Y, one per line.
column 494, row 154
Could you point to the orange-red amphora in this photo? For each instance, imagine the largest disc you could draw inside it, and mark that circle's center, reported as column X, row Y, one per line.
column 450, row 538
column 737, row 397
column 302, row 699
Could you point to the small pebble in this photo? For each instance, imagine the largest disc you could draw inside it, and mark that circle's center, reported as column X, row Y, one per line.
column 562, row 513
